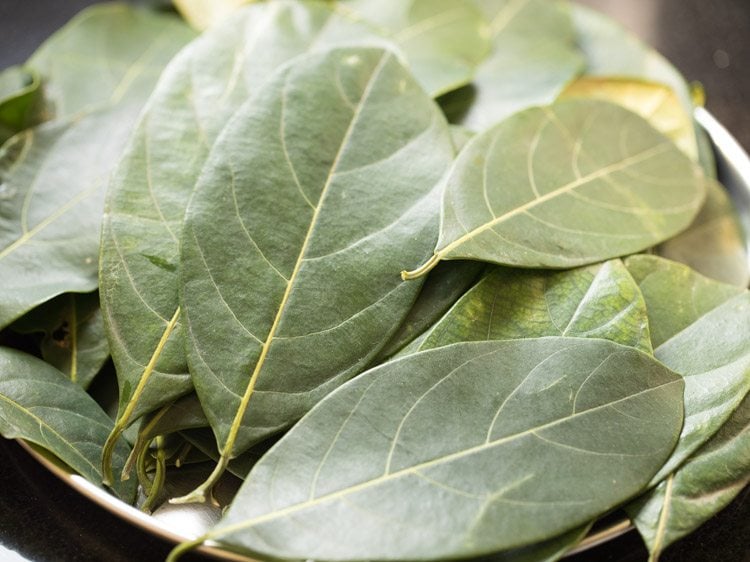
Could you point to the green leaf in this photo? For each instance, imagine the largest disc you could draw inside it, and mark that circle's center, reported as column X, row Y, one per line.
column 710, row 479
column 675, row 295
column 613, row 51
column 39, row 404
column 714, row 245
column 565, row 185
column 73, row 338
column 21, row 101
column 317, row 189
column 442, row 288
column 442, row 40
column 52, row 178
column 656, row 103
column 197, row 95
column 474, row 431
column 599, row 301
column 686, row 311
column 533, row 57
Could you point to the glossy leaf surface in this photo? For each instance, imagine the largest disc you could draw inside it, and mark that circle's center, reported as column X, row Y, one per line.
column 656, row 103
column 39, row 404
column 714, row 245
column 54, row 176
column 304, row 200
column 360, row 468
column 599, row 301
column 573, row 183
column 197, row 95
column 73, row 339
column 710, row 479
column 442, row 40
column 533, row 57
column 21, row 101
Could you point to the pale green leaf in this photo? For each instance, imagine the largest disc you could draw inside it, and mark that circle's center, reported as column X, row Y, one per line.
column 710, row 479
column 612, row 51
column 533, row 57
column 442, row 40
column 473, row 431
column 317, row 189
column 52, row 178
column 195, row 98
column 599, row 301
column 39, row 404
column 202, row 14
column 714, row 245
column 565, row 185
column 73, row 339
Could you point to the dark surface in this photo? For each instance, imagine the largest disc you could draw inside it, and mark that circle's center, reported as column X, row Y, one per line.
column 46, row 521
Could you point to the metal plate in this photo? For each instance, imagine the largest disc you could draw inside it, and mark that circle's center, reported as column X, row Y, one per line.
column 186, row 522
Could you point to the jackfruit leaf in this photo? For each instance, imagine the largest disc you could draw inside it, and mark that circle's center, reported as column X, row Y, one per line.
column 442, row 40
column 195, row 98
column 53, row 177
column 202, row 14
column 318, row 188
column 21, row 101
column 359, row 468
column 656, row 103
column 714, row 245
column 598, row 301
column 41, row 405
column 708, row 481
column 569, row 184
column 533, row 57
column 73, row 339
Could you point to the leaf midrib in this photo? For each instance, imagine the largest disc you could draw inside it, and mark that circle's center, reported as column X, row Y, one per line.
column 427, row 464
column 603, row 172
column 245, row 401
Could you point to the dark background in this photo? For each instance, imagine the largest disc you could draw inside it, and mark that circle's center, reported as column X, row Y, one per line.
column 43, row 520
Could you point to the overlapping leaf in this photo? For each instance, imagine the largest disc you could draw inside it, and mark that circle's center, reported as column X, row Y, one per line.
column 53, row 177
column 305, row 202
column 442, row 40
column 710, row 479
column 21, row 101
column 199, row 92
column 202, row 14
column 352, row 479
column 533, row 57
column 600, row 301
column 569, row 184
column 73, row 338
column 40, row 404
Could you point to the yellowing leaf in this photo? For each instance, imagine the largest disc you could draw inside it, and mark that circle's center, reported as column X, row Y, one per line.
column 202, row 14
column 656, row 103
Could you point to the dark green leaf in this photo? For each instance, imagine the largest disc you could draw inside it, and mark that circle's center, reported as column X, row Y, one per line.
column 599, row 301
column 73, row 340
column 52, row 179
column 473, row 431
column 710, row 479
column 569, row 184
column 39, row 404
column 305, row 201
column 21, row 101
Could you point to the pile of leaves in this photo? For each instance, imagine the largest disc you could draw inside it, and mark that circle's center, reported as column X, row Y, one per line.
column 435, row 278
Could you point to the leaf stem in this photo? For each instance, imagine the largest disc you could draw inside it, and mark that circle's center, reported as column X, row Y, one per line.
column 159, row 476
column 424, row 269
column 205, row 490
column 185, row 547
column 123, row 421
